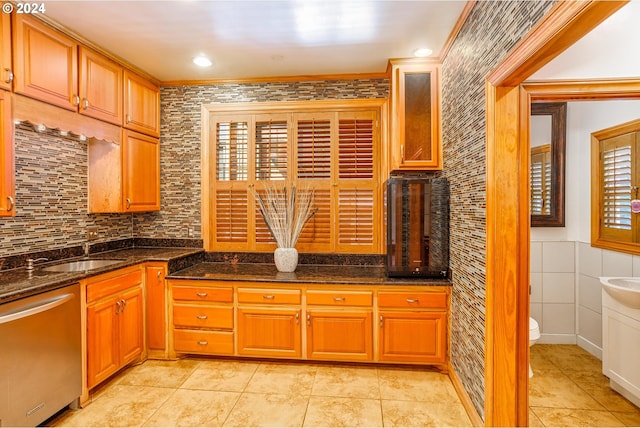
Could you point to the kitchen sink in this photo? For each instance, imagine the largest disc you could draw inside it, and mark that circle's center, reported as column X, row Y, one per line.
column 80, row 265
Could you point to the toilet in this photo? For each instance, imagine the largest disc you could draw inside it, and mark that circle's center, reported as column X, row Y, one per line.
column 534, row 335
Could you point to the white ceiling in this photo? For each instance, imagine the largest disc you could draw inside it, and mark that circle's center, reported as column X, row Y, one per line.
column 248, row 39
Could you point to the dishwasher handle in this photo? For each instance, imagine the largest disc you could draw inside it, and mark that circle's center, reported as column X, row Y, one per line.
column 30, row 310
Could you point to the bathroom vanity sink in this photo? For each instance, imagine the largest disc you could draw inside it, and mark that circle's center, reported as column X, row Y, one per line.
column 625, row 290
column 81, row 265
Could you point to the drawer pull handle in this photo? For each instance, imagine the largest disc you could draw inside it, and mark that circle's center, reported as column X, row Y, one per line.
column 413, row 300
column 339, row 299
column 268, row 297
column 381, row 322
column 202, row 342
column 202, row 294
column 118, row 307
column 202, row 317
column 309, row 319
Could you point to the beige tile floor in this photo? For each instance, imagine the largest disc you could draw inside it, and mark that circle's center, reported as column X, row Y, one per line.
column 568, row 389
column 210, row 392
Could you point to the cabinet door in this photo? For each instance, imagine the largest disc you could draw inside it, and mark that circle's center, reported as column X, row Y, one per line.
column 6, row 72
column 130, row 325
column 140, row 172
column 45, row 63
column 7, row 168
column 269, row 332
column 100, row 87
column 141, row 105
column 419, row 337
column 156, row 307
column 339, row 335
column 415, row 116
column 102, row 341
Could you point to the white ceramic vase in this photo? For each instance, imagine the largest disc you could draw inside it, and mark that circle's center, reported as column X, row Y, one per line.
column 286, row 259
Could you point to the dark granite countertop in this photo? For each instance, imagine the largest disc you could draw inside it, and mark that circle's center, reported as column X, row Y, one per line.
column 318, row 274
column 18, row 283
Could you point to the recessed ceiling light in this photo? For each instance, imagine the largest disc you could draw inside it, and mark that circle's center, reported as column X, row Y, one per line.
column 202, row 61
column 422, row 52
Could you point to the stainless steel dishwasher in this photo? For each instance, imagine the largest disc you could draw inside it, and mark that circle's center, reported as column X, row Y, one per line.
column 40, row 356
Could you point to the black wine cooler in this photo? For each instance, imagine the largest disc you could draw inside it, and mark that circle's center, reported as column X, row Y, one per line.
column 418, row 227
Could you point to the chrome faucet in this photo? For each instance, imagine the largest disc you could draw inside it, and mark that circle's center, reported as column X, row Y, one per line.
column 30, row 262
column 85, row 248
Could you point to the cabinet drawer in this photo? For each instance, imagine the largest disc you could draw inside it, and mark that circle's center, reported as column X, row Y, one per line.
column 412, row 300
column 203, row 294
column 339, row 298
column 113, row 285
column 203, row 342
column 202, row 316
column 268, row 296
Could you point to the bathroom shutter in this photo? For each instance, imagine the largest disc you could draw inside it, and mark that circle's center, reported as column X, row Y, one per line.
column 616, row 156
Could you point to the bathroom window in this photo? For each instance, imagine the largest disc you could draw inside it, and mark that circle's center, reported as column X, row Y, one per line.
column 615, row 207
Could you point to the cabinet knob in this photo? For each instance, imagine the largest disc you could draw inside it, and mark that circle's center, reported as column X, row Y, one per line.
column 9, row 78
column 85, row 103
column 76, row 100
column 128, row 118
column 11, row 203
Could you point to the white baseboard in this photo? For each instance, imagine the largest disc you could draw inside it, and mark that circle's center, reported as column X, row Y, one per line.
column 557, row 339
column 590, row 347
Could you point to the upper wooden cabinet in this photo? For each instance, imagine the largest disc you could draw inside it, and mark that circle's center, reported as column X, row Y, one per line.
column 100, row 87
column 7, row 169
column 124, row 177
column 45, row 63
column 141, row 105
column 140, row 172
column 6, row 71
column 415, row 115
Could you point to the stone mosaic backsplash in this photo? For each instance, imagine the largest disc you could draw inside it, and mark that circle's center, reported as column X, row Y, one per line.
column 491, row 31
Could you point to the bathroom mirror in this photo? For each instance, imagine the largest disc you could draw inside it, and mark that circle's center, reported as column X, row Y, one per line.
column 548, row 129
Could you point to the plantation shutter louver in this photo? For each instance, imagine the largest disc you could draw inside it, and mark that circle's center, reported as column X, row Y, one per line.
column 616, row 181
column 356, row 189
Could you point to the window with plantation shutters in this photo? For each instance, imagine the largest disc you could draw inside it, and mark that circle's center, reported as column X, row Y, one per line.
column 615, row 182
column 332, row 147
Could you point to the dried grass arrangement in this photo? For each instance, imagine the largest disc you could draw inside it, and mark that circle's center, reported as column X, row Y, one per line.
column 285, row 211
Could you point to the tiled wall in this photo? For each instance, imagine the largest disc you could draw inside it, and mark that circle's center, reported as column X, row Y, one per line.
column 553, row 290
column 492, row 29
column 51, row 196
column 180, row 140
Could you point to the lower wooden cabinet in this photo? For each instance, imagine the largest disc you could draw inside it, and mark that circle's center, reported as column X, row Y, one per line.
column 269, row 332
column 345, row 335
column 413, row 337
column 360, row 323
column 413, row 326
column 156, row 314
column 202, row 320
column 114, row 323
